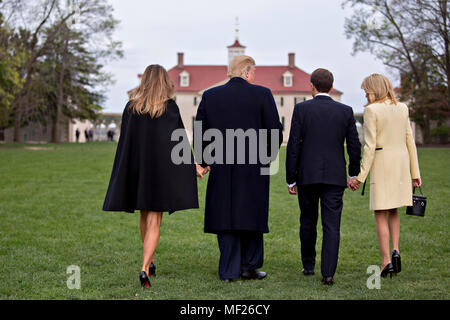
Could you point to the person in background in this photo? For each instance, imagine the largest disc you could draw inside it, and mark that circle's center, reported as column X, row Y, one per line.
column 390, row 156
column 91, row 134
column 77, row 135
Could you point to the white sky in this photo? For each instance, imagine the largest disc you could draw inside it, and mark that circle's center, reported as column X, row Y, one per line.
column 153, row 31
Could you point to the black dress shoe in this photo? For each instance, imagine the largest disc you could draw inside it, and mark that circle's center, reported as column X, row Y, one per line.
column 152, row 270
column 388, row 270
column 328, row 281
column 145, row 281
column 253, row 274
column 308, row 272
column 396, row 262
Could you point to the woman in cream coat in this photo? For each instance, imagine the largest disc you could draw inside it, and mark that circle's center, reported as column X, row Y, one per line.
column 391, row 157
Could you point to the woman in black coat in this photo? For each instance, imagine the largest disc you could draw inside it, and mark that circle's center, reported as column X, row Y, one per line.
column 144, row 176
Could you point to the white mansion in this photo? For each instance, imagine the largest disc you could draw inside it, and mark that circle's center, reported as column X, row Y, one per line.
column 288, row 83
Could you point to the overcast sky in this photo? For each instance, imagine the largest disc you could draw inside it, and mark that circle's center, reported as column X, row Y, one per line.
column 153, row 31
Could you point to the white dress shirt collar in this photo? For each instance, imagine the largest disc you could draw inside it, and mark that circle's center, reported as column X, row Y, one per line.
column 322, row 94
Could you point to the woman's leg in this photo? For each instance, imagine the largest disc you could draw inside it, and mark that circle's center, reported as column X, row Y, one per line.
column 143, row 224
column 383, row 236
column 394, row 228
column 150, row 230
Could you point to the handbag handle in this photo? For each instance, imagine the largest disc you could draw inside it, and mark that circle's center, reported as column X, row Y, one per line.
column 420, row 188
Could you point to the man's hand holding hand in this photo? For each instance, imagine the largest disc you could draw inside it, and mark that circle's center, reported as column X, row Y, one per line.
column 201, row 171
column 293, row 190
column 353, row 184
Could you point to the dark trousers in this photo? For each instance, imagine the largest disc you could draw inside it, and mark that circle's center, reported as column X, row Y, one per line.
column 239, row 251
column 330, row 198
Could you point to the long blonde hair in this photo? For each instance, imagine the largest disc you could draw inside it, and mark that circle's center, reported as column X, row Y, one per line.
column 378, row 89
column 153, row 92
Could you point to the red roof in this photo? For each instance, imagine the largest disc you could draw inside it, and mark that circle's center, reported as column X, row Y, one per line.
column 206, row 76
column 200, row 77
column 236, row 44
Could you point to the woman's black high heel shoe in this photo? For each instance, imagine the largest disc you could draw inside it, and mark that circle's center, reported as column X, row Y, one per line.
column 396, row 262
column 389, row 269
column 152, row 270
column 145, row 281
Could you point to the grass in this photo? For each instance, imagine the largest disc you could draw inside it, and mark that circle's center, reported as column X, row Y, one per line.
column 51, row 218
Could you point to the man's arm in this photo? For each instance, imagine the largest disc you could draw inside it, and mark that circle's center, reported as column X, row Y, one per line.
column 199, row 144
column 271, row 122
column 353, row 147
column 293, row 149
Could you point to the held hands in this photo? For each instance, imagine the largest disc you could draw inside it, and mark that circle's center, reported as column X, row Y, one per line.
column 293, row 190
column 201, row 171
column 353, row 184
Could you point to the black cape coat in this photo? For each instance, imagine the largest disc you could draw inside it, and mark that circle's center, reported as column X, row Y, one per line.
column 237, row 195
column 144, row 176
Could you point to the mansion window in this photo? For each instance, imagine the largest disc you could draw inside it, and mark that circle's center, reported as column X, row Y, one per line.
column 298, row 99
column 287, row 79
column 184, row 79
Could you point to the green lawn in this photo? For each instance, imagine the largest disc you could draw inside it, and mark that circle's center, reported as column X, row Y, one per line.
column 51, row 218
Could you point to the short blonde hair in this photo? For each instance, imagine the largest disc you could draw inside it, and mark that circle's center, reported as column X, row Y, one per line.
column 239, row 65
column 378, row 89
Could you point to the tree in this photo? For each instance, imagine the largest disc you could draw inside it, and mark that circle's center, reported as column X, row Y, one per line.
column 411, row 37
column 11, row 58
column 73, row 76
column 40, row 25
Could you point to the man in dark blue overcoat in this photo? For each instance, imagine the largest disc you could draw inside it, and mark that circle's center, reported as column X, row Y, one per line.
column 237, row 198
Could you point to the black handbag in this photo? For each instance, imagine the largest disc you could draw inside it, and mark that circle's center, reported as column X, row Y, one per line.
column 419, row 204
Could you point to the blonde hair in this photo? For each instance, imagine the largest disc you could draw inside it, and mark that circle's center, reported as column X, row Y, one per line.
column 378, row 89
column 239, row 65
column 153, row 92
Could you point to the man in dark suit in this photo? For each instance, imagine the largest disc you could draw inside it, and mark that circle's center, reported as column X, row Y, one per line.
column 237, row 195
column 316, row 169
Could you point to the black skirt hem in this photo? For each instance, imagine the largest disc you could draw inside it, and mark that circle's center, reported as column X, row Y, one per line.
column 170, row 211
